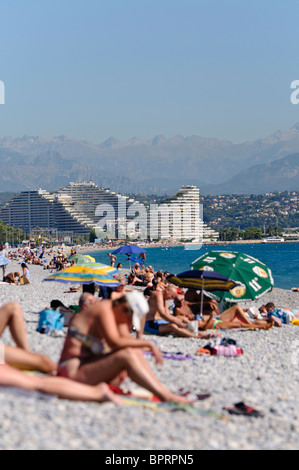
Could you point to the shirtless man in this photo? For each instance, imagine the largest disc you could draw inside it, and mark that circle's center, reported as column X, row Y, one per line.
column 159, row 321
column 98, row 350
column 119, row 291
column 192, row 297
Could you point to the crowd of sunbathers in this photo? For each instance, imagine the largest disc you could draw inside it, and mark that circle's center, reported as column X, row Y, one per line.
column 106, row 338
column 28, row 256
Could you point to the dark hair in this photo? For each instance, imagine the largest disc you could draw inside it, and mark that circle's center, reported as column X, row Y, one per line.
column 269, row 305
column 119, row 301
column 24, row 265
column 56, row 303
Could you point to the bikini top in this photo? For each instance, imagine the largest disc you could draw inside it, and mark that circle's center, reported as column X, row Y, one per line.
column 96, row 346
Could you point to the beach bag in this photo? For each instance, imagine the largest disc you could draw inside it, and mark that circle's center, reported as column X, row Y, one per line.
column 228, row 351
column 50, row 321
column 24, row 280
column 225, row 347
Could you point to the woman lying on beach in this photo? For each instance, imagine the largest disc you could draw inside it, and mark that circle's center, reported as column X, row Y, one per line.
column 99, row 347
column 234, row 317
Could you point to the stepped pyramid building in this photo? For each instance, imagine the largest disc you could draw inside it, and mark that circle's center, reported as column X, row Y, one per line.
column 71, row 209
column 80, row 207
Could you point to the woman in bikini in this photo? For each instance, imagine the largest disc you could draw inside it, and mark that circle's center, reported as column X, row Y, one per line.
column 15, row 359
column 234, row 317
column 99, row 346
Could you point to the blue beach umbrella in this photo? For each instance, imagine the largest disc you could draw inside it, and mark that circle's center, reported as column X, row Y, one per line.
column 4, row 260
column 129, row 250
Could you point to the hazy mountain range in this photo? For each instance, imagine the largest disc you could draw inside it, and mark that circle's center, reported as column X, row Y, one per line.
column 157, row 166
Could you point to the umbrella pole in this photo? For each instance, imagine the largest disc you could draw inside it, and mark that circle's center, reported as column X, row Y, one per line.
column 201, row 305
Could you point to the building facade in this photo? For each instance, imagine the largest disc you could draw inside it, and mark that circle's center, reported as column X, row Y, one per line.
column 81, row 207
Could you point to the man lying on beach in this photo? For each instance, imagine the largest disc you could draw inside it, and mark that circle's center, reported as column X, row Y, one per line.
column 160, row 321
column 279, row 315
column 99, row 346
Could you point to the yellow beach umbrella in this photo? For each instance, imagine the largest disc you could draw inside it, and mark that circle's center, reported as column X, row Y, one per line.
column 80, row 274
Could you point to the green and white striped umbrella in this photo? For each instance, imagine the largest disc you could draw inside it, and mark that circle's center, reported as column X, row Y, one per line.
column 254, row 276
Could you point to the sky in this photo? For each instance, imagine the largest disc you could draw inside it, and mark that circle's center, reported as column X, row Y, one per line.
column 91, row 69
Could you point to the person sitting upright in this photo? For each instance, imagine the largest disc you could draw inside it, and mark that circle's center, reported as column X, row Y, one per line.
column 98, row 349
column 159, row 321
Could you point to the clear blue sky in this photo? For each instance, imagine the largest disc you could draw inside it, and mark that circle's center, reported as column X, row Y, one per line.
column 92, row 69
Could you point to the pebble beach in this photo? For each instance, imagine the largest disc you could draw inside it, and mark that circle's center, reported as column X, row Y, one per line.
column 265, row 377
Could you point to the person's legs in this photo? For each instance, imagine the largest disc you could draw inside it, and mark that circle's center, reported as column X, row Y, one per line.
column 238, row 324
column 228, row 325
column 171, row 328
column 11, row 315
column 235, row 313
column 25, row 360
column 184, row 333
column 138, row 369
column 64, row 388
column 4, row 271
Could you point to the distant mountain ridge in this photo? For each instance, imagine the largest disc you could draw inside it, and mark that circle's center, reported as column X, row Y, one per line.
column 159, row 165
column 280, row 175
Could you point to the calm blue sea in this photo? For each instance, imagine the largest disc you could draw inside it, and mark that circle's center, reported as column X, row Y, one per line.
column 282, row 258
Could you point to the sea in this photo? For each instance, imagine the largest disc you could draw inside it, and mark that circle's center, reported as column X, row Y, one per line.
column 281, row 258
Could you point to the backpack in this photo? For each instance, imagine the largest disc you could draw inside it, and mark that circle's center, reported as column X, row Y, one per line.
column 50, row 321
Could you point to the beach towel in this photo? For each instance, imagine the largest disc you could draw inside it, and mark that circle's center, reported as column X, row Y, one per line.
column 142, row 397
column 177, row 356
column 171, row 407
column 50, row 321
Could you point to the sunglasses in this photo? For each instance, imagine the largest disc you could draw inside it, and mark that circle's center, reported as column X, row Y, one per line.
column 127, row 310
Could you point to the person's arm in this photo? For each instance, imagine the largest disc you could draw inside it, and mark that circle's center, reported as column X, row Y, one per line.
column 114, row 338
column 164, row 312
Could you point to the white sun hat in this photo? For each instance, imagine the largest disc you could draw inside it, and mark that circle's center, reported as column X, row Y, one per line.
column 139, row 306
